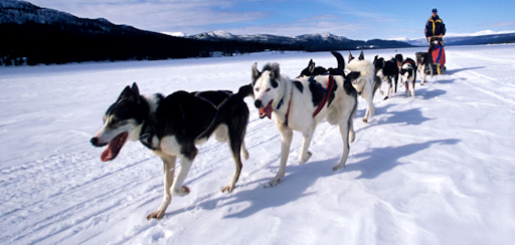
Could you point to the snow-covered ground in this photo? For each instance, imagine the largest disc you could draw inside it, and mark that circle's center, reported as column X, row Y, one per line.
column 435, row 169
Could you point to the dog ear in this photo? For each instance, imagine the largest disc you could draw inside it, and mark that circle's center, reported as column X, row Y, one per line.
column 375, row 57
column 350, row 56
column 255, row 74
column 135, row 90
column 361, row 55
column 275, row 72
column 311, row 66
column 126, row 93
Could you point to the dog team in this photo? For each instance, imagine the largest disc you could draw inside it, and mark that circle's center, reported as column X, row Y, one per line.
column 172, row 126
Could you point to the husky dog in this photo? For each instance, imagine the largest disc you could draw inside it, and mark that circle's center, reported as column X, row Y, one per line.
column 387, row 71
column 171, row 126
column 409, row 75
column 361, row 56
column 313, row 70
column 301, row 104
column 366, row 84
column 424, row 65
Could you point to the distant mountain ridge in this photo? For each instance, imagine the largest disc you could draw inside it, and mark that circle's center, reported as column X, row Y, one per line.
column 311, row 42
column 44, row 36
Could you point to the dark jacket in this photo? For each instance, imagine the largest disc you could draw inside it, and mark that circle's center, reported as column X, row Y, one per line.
column 434, row 27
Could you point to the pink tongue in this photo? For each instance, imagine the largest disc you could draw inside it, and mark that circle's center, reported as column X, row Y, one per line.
column 107, row 154
column 267, row 111
column 114, row 147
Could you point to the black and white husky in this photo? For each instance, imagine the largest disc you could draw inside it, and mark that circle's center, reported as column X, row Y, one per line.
column 301, row 104
column 424, row 64
column 387, row 71
column 171, row 127
column 409, row 75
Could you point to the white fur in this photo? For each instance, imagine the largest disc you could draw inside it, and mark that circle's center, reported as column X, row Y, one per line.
column 301, row 113
column 410, row 80
column 364, row 84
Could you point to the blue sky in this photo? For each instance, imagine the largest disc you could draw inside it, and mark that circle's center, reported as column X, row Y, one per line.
column 352, row 19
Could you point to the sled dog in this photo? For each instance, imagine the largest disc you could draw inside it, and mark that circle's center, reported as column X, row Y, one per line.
column 366, row 84
column 301, row 104
column 424, row 63
column 387, row 71
column 313, row 70
column 409, row 75
column 171, row 126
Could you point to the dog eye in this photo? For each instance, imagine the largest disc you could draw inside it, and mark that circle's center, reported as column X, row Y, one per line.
column 268, row 89
column 114, row 120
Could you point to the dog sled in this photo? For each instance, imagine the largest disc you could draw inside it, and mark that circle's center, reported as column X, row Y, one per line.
column 437, row 52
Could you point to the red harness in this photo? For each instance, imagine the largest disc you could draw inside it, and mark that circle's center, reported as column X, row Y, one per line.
column 328, row 89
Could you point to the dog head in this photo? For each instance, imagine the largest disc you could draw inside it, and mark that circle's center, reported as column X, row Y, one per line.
column 312, row 70
column 421, row 57
column 399, row 59
column 122, row 122
column 379, row 63
column 267, row 92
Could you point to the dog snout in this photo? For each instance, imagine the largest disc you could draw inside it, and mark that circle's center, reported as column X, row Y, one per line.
column 96, row 142
column 258, row 103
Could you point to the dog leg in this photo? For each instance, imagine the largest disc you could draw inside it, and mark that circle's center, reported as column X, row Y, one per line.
column 388, row 89
column 352, row 134
column 344, row 133
column 286, row 137
column 184, row 168
column 236, row 145
column 169, row 170
column 413, row 88
column 244, row 151
column 305, row 154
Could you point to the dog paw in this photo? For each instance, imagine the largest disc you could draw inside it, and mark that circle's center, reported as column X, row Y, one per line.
column 385, row 98
column 365, row 120
column 156, row 215
column 228, row 188
column 337, row 167
column 272, row 183
column 305, row 159
column 183, row 192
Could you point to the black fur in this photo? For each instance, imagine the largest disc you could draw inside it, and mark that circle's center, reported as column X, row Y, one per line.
column 390, row 70
column 299, row 86
column 424, row 58
column 318, row 94
column 312, row 70
column 413, row 71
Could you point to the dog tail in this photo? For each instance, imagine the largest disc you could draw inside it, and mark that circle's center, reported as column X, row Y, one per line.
column 245, row 91
column 376, row 84
column 340, row 60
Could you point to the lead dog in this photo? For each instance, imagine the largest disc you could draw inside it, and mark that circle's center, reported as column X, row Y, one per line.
column 294, row 104
column 171, row 126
